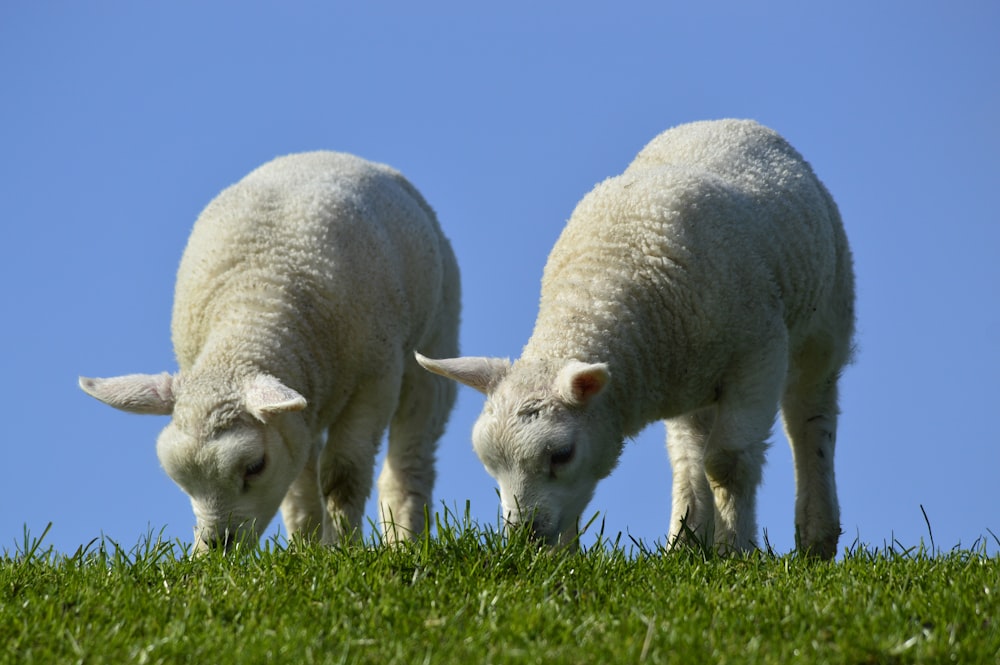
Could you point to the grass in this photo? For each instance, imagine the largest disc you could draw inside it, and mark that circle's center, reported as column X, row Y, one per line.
column 467, row 596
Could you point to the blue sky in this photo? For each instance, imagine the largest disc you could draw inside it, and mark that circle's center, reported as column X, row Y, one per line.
column 120, row 121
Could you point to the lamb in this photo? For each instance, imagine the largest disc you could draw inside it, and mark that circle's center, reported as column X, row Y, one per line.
column 708, row 283
column 300, row 298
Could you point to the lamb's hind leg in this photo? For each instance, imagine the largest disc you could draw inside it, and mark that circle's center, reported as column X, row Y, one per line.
column 692, row 515
column 809, row 409
column 407, row 477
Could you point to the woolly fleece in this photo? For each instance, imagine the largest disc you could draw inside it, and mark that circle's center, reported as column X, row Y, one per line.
column 301, row 296
column 706, row 285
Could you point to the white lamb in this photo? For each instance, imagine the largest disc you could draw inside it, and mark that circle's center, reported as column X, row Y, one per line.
column 301, row 296
column 704, row 286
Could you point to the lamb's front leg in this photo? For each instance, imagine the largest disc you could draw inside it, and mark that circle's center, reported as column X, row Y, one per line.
column 734, row 463
column 692, row 514
column 407, row 479
column 734, row 474
column 735, row 451
column 347, row 467
column 302, row 507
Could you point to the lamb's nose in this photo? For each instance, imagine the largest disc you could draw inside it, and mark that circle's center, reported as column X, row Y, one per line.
column 217, row 540
column 538, row 528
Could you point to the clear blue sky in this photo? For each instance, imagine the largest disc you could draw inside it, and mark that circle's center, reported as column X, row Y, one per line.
column 120, row 121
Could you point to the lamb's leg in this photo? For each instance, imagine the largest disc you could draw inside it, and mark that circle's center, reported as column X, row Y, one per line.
column 809, row 409
column 407, row 477
column 348, row 461
column 735, row 474
column 692, row 515
column 302, row 508
column 734, row 454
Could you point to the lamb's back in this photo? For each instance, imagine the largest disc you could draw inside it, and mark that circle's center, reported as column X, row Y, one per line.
column 716, row 232
column 319, row 243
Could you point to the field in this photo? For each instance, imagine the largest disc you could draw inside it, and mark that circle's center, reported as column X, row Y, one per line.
column 469, row 596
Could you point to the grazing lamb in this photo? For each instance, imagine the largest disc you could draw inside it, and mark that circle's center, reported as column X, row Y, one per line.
column 303, row 292
column 705, row 285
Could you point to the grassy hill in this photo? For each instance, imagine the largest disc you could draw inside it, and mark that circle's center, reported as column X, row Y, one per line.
column 466, row 596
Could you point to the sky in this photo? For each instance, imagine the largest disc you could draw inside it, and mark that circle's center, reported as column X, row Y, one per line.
column 120, row 121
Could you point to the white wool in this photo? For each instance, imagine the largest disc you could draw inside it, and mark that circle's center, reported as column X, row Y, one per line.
column 708, row 284
column 301, row 296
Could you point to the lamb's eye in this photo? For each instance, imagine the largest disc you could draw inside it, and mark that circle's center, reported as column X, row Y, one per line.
column 256, row 468
column 561, row 457
column 530, row 413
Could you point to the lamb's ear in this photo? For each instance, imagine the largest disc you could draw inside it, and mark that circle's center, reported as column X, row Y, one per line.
column 266, row 397
column 480, row 373
column 578, row 383
column 150, row 394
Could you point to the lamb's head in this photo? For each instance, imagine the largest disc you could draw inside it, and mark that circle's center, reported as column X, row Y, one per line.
column 231, row 448
column 546, row 434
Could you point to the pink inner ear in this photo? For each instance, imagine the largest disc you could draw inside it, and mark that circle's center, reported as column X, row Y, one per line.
column 587, row 384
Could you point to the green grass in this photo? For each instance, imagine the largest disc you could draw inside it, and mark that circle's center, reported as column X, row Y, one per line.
column 467, row 597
